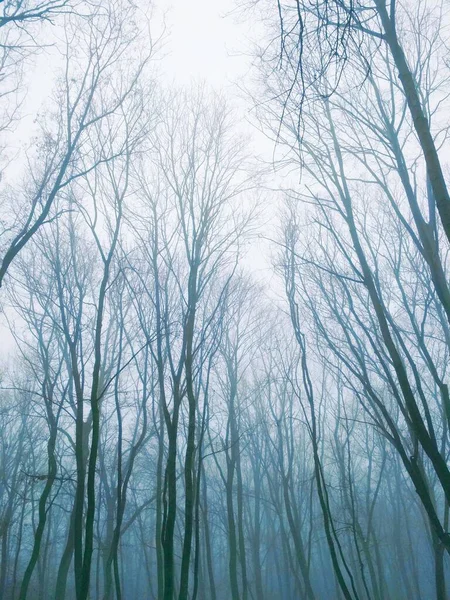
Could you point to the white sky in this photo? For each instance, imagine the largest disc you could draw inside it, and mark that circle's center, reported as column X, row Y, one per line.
column 206, row 40
column 210, row 40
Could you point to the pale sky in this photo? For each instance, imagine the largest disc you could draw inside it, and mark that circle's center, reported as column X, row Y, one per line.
column 210, row 41
column 206, row 40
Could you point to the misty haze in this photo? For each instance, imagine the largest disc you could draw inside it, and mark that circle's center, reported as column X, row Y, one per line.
column 224, row 300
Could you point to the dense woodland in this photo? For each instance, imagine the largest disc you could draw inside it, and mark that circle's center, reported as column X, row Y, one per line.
column 175, row 423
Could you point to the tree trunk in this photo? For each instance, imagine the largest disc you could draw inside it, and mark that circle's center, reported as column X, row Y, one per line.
column 421, row 124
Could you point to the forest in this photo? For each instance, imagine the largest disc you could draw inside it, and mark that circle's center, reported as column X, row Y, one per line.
column 224, row 371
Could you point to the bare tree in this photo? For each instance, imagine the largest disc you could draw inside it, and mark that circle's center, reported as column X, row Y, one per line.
column 319, row 41
column 88, row 95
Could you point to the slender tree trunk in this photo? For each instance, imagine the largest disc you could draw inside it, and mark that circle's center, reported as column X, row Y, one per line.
column 439, row 568
column 66, row 559
column 159, row 507
column 421, row 124
column 232, row 537
column 168, row 529
column 19, row 545
column 52, row 469
column 207, row 535
column 240, row 523
column 257, row 532
column 190, row 445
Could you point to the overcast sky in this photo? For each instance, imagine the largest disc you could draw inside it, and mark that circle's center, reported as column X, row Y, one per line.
column 204, row 41
column 211, row 41
column 207, row 40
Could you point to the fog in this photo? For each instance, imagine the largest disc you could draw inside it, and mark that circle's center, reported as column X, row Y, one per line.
column 224, row 300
